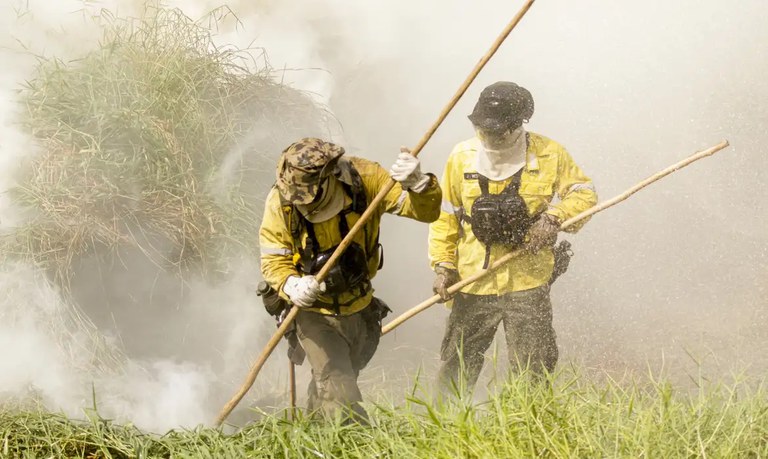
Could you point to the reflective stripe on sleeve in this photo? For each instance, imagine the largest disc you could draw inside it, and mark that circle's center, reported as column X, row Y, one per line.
column 449, row 208
column 581, row 186
column 276, row 251
column 400, row 202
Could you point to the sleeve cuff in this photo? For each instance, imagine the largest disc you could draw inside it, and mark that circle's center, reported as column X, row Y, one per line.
column 556, row 214
column 446, row 264
column 426, row 181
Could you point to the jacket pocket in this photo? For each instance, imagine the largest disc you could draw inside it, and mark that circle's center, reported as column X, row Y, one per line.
column 536, row 189
column 537, row 195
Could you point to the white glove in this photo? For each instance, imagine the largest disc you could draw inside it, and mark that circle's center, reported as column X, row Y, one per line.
column 303, row 291
column 407, row 171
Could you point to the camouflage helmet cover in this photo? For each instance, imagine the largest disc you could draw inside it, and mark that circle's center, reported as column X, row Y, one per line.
column 303, row 165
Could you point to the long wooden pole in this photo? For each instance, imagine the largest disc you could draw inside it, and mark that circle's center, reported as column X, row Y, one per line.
column 587, row 213
column 292, row 385
column 272, row 343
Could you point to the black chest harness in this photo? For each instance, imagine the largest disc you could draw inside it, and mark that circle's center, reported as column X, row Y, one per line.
column 350, row 272
column 498, row 219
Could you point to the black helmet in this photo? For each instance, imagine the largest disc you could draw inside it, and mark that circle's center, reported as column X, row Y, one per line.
column 501, row 106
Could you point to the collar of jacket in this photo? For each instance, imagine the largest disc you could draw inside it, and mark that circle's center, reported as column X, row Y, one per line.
column 531, row 160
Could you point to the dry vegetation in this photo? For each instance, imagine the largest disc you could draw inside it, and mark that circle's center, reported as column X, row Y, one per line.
column 156, row 140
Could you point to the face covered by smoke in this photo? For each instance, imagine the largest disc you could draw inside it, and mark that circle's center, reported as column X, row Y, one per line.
column 628, row 89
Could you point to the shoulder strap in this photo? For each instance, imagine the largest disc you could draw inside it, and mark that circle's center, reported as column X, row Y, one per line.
column 295, row 222
column 356, row 191
column 292, row 217
column 514, row 185
column 309, row 252
column 482, row 180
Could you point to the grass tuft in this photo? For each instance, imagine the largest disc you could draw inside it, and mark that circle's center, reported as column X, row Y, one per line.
column 570, row 417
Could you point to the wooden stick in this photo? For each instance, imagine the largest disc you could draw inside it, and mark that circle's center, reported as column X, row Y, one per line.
column 372, row 207
column 587, row 213
column 292, row 384
column 424, row 139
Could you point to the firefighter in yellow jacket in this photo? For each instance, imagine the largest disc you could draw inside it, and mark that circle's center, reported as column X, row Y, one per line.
column 498, row 190
column 318, row 197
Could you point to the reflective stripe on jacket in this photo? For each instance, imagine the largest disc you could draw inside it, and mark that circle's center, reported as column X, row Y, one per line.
column 549, row 170
column 279, row 253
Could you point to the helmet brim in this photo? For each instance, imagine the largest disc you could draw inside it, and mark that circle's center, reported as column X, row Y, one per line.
column 305, row 191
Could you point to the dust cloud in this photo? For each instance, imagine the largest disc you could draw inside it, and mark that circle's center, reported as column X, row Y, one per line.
column 673, row 279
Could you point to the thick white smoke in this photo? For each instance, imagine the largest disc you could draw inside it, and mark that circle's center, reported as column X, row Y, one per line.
column 627, row 87
column 178, row 356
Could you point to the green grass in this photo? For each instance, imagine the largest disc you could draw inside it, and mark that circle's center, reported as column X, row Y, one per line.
column 571, row 418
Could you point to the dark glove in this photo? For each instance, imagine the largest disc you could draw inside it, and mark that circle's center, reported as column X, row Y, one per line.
column 543, row 233
column 445, row 278
column 272, row 301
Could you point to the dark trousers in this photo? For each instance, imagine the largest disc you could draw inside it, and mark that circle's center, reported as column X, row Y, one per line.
column 472, row 324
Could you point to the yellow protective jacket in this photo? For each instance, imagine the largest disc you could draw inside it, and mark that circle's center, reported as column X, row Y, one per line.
column 549, row 169
column 279, row 254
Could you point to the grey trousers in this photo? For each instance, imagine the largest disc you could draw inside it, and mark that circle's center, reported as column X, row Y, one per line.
column 472, row 324
column 337, row 349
